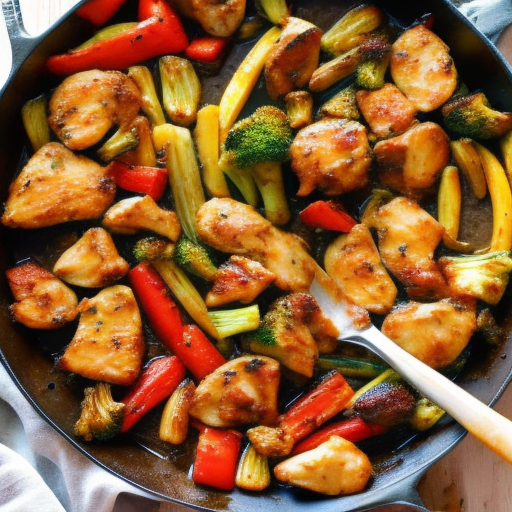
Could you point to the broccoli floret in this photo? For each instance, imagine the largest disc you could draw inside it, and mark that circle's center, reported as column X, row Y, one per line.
column 472, row 116
column 373, row 64
column 151, row 248
column 483, row 276
column 251, row 156
column 101, row 416
column 194, row 258
column 235, row 321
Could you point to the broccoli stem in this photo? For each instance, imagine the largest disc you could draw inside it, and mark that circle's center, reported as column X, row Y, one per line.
column 234, row 321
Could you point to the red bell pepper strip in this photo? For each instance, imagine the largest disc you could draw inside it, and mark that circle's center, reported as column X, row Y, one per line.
column 354, row 430
column 327, row 215
column 153, row 294
column 144, row 180
column 157, row 381
column 316, row 407
column 150, row 38
column 207, row 48
column 98, row 12
column 216, row 458
column 158, row 8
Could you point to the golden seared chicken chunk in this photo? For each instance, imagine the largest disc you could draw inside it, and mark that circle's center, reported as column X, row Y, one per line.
column 421, row 153
column 336, row 467
column 353, row 261
column 92, row 262
column 239, row 279
column 270, row 441
column 234, row 227
column 242, row 391
column 86, row 105
column 142, row 213
column 386, row 110
column 293, row 58
column 422, row 68
column 407, row 239
column 57, row 186
column 43, row 301
column 108, row 344
column 436, row 333
column 219, row 18
column 332, row 155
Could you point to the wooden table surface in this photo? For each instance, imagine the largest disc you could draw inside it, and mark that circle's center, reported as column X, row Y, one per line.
column 470, row 478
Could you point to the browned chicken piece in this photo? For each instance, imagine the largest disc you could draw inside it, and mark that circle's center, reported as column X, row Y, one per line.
column 422, row 68
column 407, row 239
column 219, row 18
column 353, row 261
column 387, row 110
column 86, row 105
column 57, row 186
column 294, row 57
column 332, row 155
column 43, row 301
column 108, row 344
column 239, row 279
column 92, row 262
column 436, row 333
column 422, row 152
column 133, row 214
column 270, row 441
column 336, row 467
column 237, row 228
column 242, row 391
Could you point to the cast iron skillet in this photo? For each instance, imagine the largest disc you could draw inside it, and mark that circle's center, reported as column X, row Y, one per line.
column 163, row 471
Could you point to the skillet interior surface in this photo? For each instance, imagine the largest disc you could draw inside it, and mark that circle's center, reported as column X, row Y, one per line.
column 142, row 460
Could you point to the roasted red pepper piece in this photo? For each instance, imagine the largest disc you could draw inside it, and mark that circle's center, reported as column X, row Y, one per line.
column 144, row 180
column 156, row 382
column 327, row 215
column 152, row 37
column 98, row 12
column 217, row 457
column 207, row 48
column 354, row 430
column 316, row 407
column 158, row 8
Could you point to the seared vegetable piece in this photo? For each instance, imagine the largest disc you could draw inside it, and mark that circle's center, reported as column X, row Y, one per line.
column 468, row 160
column 237, row 228
column 242, row 391
column 293, row 58
column 330, row 215
column 143, row 154
column 353, row 261
column 421, row 153
column 332, row 155
column 374, row 54
column 472, row 116
column 57, row 186
column 100, row 415
column 276, row 11
column 407, row 239
column 285, row 333
column 235, row 321
column 181, row 89
column 335, row 467
column 253, row 472
column 174, row 421
column 351, row 367
column 352, row 29
column 108, row 344
column 343, row 104
column 123, row 141
column 334, row 70
column 151, row 248
column 483, row 276
column 239, row 279
column 133, row 214
column 150, row 103
column 86, row 105
column 387, row 110
column 194, row 258
column 299, row 108
column 42, row 300
column 217, row 18
column 243, row 81
column 92, row 262
column 436, row 332
column 489, row 328
column 422, row 68
column 425, row 415
column 35, row 122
